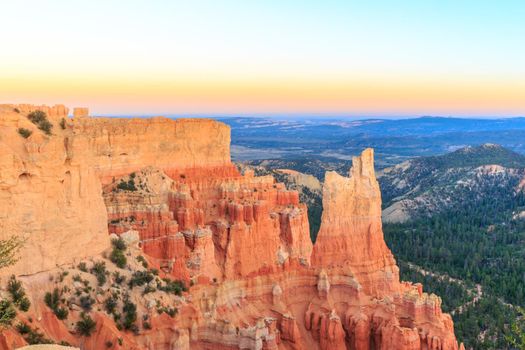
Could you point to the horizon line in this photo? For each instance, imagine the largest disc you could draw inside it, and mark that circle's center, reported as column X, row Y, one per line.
column 302, row 116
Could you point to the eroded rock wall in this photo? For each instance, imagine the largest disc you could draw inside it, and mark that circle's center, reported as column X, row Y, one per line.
column 241, row 242
column 351, row 234
column 51, row 185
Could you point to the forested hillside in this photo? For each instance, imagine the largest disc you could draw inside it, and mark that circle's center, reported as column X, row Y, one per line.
column 469, row 227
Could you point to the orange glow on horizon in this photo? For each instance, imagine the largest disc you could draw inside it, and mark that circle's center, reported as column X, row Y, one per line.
column 258, row 95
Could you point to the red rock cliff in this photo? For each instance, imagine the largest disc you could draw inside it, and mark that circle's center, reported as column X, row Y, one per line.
column 242, row 241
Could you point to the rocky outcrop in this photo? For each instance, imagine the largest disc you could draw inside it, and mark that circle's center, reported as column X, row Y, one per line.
column 79, row 112
column 241, row 242
column 352, row 255
column 351, row 236
column 211, row 228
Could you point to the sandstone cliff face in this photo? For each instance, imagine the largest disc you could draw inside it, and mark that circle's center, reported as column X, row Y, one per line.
column 48, row 195
column 52, row 184
column 241, row 242
column 120, row 146
column 351, row 236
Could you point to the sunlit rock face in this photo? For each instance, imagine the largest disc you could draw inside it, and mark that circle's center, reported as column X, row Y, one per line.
column 242, row 242
column 351, row 236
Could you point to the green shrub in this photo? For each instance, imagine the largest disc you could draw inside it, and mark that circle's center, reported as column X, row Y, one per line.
column 52, row 300
column 32, row 336
column 174, row 287
column 61, row 313
column 86, row 302
column 127, row 186
column 24, row 304
column 17, row 110
column 62, row 276
column 119, row 244
column 25, row 133
column 143, row 261
column 63, row 123
column 23, row 328
column 119, row 279
column 110, row 304
column 39, row 118
column 7, row 313
column 117, row 254
column 82, row 267
column 148, row 289
column 35, row 337
column 46, row 127
column 118, row 258
column 14, row 287
column 130, row 314
column 140, row 278
column 171, row 311
column 86, row 325
column 99, row 270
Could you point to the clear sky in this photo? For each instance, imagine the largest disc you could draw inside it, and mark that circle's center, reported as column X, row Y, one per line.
column 325, row 57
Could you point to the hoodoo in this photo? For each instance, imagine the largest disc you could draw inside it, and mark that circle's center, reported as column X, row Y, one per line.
column 239, row 243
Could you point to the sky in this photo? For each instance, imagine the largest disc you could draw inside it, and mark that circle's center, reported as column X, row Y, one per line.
column 286, row 57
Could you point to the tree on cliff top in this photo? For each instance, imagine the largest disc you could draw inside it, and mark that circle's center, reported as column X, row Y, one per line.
column 9, row 249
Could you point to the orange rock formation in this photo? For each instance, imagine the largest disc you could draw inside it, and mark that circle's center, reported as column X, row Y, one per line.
column 242, row 241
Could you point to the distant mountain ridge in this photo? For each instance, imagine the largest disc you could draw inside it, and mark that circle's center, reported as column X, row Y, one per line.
column 336, row 139
column 425, row 185
column 485, row 154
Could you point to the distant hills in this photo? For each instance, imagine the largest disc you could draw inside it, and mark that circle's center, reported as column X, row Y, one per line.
column 462, row 215
column 426, row 185
column 469, row 156
column 419, row 187
column 336, row 139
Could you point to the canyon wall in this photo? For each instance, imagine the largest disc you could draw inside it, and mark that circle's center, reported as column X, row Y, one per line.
column 51, row 185
column 49, row 195
column 241, row 243
column 119, row 146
